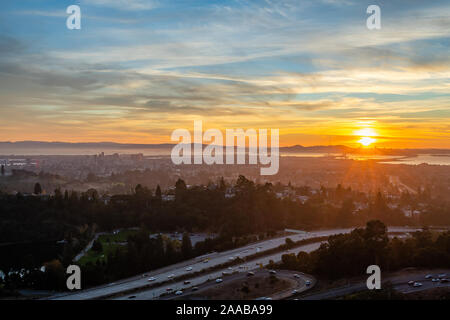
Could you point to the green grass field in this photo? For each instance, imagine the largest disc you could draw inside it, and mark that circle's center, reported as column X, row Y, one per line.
column 110, row 243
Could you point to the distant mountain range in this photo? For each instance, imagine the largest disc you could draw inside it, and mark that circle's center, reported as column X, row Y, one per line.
column 105, row 146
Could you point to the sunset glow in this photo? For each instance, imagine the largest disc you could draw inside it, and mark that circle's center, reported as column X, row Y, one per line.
column 231, row 64
column 366, row 141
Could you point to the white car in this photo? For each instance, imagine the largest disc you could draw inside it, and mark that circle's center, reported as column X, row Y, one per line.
column 170, row 276
column 435, row 280
column 272, row 272
column 179, row 292
column 308, row 283
column 219, row 280
column 428, row 276
column 151, row 279
column 417, row 284
column 294, row 291
column 188, row 269
column 442, row 275
column 296, row 276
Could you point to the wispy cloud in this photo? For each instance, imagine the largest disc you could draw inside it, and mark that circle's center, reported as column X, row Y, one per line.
column 310, row 68
column 126, row 5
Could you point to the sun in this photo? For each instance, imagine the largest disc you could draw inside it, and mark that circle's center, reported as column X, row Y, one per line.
column 366, row 141
column 366, row 132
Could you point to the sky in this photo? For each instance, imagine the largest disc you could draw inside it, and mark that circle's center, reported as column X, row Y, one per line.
column 139, row 69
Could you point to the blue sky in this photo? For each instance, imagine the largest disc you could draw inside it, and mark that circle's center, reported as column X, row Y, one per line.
column 139, row 69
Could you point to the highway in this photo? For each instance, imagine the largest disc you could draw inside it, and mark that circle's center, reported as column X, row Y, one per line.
column 296, row 279
column 241, row 268
column 197, row 264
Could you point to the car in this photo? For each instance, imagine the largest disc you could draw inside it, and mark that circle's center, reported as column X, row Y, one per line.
column 231, row 258
column 169, row 289
column 186, row 282
column 442, row 275
column 435, row 280
column 179, row 292
column 205, row 261
column 250, row 273
column 294, row 291
column 444, row 280
column 225, row 273
column 151, row 279
column 428, row 276
column 219, row 280
column 272, row 272
column 296, row 276
column 417, row 284
column 194, row 288
column 131, row 297
column 411, row 282
column 170, row 276
column 144, row 275
column 308, row 283
column 188, row 269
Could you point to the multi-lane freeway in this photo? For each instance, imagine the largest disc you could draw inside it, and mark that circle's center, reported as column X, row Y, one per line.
column 299, row 283
column 196, row 281
column 201, row 263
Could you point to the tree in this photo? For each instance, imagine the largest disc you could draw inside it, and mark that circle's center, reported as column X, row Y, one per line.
column 186, row 246
column 180, row 185
column 37, row 188
column 289, row 243
column 138, row 189
column 345, row 214
column 97, row 246
column 54, row 275
column 376, row 238
column 158, row 194
column 180, row 189
column 222, row 184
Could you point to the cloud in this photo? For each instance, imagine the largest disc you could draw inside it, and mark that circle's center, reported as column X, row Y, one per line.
column 303, row 67
column 126, row 5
